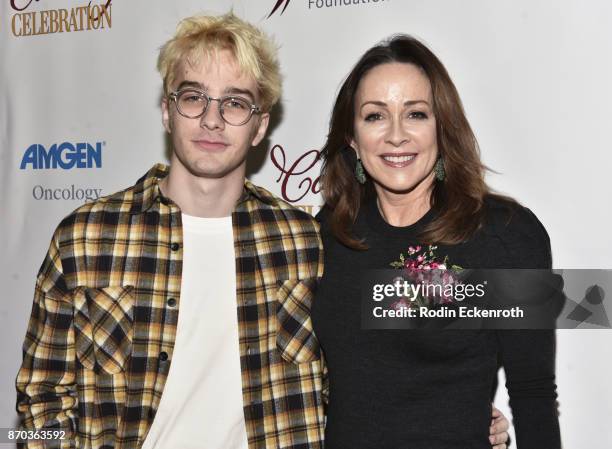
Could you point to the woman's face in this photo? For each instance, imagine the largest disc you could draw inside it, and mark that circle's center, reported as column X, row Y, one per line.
column 395, row 128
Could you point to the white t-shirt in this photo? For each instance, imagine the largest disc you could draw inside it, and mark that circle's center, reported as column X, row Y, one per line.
column 201, row 406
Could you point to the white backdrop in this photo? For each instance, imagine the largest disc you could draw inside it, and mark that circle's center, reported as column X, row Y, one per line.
column 534, row 76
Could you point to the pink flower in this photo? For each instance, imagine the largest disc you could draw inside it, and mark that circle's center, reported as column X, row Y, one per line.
column 399, row 305
column 448, row 278
column 411, row 264
column 426, row 269
column 447, row 299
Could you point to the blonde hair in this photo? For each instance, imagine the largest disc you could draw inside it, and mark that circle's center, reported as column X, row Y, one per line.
column 199, row 36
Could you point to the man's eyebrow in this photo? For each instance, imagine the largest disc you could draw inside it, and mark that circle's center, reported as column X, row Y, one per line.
column 239, row 91
column 188, row 83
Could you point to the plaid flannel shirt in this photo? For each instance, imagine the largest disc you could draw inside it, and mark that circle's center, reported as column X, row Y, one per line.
column 101, row 334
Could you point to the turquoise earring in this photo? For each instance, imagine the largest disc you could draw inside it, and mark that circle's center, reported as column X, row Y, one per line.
column 439, row 170
column 360, row 172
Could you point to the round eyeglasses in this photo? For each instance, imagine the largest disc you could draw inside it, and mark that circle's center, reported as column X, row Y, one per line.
column 193, row 103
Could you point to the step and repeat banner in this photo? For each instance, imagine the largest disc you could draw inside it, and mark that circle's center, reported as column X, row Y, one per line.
column 80, row 118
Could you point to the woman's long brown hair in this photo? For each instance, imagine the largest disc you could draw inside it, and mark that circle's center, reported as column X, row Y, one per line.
column 458, row 199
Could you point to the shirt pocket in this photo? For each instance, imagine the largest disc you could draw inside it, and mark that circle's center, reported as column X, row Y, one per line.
column 103, row 321
column 295, row 338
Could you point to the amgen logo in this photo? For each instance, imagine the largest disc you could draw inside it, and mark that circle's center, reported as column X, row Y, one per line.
column 64, row 156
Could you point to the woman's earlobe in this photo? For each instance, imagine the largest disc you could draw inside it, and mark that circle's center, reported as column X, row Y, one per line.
column 353, row 146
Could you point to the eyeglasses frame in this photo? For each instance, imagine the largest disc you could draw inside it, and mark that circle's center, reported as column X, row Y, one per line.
column 254, row 109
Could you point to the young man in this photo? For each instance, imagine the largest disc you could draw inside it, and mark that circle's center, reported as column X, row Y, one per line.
column 239, row 367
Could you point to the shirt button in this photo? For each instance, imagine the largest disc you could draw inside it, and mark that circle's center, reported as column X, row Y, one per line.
column 248, row 351
column 171, row 302
column 163, row 356
column 175, row 246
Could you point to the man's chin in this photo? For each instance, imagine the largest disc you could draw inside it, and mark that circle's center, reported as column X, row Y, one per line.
column 208, row 172
column 207, row 169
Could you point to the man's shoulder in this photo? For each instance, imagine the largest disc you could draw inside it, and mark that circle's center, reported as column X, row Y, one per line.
column 281, row 209
column 103, row 211
column 279, row 227
column 114, row 208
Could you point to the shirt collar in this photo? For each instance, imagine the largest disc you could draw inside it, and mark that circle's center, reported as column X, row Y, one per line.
column 147, row 191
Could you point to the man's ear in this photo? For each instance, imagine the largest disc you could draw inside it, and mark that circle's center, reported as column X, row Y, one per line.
column 166, row 115
column 264, row 121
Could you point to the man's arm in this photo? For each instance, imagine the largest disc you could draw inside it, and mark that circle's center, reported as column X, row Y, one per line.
column 320, row 270
column 46, row 381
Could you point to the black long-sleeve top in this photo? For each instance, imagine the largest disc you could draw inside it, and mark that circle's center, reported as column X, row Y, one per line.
column 418, row 389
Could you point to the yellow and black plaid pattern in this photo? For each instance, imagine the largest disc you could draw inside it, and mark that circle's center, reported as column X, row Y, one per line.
column 101, row 335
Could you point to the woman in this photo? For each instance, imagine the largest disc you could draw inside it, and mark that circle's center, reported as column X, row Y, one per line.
column 402, row 171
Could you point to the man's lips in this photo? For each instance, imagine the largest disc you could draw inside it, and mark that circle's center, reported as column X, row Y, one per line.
column 210, row 145
column 398, row 160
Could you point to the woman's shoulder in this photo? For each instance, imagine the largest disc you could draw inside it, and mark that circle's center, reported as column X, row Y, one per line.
column 506, row 216
column 322, row 214
column 519, row 230
column 323, row 218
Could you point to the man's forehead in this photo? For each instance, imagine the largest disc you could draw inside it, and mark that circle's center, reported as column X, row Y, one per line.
column 219, row 66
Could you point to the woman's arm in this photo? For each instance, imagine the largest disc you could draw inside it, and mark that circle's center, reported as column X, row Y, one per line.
column 528, row 356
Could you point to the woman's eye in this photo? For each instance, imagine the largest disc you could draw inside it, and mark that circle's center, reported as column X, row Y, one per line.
column 373, row 117
column 419, row 115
